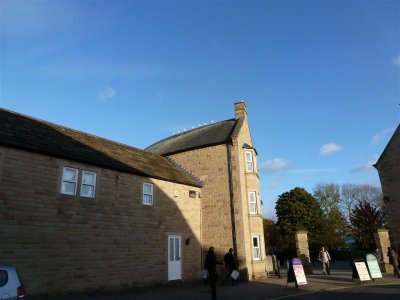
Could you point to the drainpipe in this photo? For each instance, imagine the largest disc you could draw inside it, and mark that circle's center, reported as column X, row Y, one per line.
column 232, row 204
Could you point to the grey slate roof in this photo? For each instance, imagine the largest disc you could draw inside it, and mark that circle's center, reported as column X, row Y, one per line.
column 27, row 133
column 209, row 135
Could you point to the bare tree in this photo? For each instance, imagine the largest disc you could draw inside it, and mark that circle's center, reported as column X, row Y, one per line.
column 363, row 193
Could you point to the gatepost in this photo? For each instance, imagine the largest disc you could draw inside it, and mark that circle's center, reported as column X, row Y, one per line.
column 382, row 241
column 303, row 252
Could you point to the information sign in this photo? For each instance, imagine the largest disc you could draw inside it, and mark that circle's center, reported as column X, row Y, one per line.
column 373, row 266
column 299, row 271
column 362, row 271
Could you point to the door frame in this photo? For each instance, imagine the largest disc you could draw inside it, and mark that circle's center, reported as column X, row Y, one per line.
column 179, row 236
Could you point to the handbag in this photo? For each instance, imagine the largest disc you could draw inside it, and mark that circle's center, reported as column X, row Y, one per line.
column 235, row 274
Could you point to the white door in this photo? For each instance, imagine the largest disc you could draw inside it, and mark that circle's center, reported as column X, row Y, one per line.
column 174, row 257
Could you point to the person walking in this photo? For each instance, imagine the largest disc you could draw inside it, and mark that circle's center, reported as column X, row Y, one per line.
column 394, row 261
column 210, row 265
column 230, row 266
column 324, row 257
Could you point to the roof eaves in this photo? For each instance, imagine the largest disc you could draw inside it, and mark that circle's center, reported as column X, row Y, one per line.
column 198, row 182
column 195, row 148
column 247, row 146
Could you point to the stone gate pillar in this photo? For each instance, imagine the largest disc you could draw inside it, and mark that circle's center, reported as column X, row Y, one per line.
column 303, row 252
column 382, row 241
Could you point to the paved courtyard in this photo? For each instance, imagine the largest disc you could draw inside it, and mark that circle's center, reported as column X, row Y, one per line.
column 337, row 285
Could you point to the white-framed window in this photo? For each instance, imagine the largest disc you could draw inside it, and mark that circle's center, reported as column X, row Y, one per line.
column 252, row 203
column 69, row 181
column 147, row 193
column 256, row 247
column 249, row 161
column 88, row 186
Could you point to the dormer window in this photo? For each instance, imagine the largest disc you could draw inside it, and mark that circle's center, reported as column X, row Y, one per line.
column 249, row 161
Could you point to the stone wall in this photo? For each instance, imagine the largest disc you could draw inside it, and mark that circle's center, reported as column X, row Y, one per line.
column 65, row 244
column 244, row 182
column 211, row 166
column 388, row 167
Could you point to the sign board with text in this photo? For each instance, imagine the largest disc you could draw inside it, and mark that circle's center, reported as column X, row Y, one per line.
column 362, row 270
column 373, row 266
column 299, row 271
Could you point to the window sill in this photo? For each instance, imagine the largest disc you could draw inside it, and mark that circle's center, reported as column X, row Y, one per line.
column 254, row 215
column 252, row 173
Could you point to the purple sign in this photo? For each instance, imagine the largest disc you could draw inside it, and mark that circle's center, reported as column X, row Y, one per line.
column 299, row 271
column 296, row 261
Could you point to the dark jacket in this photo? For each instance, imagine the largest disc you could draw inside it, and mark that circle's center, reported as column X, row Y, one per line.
column 211, row 262
column 229, row 260
column 393, row 257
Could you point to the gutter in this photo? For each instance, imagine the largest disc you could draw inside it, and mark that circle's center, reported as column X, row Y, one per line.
column 232, row 204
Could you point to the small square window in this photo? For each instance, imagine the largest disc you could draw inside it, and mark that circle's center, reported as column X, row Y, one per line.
column 147, row 194
column 88, row 186
column 249, row 161
column 69, row 181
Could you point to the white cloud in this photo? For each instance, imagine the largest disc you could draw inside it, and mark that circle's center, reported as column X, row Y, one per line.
column 330, row 148
column 304, row 171
column 274, row 165
column 274, row 184
column 378, row 137
column 106, row 92
column 396, row 61
column 363, row 167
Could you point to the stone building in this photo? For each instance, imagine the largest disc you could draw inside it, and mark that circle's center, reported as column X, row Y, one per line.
column 388, row 166
column 223, row 157
column 79, row 213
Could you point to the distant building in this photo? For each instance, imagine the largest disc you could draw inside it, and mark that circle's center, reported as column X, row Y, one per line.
column 388, row 166
column 223, row 157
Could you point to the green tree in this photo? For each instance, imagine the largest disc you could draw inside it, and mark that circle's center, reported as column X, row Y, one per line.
column 271, row 235
column 335, row 228
column 365, row 220
column 298, row 210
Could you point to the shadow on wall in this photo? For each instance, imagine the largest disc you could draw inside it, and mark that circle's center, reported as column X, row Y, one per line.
column 69, row 244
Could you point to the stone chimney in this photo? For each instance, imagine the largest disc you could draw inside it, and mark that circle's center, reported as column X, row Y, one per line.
column 240, row 109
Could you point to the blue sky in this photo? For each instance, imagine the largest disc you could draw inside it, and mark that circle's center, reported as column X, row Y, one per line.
column 321, row 79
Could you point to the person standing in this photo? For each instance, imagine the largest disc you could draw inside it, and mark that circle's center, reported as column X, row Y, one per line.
column 210, row 265
column 394, row 261
column 379, row 258
column 230, row 265
column 324, row 257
